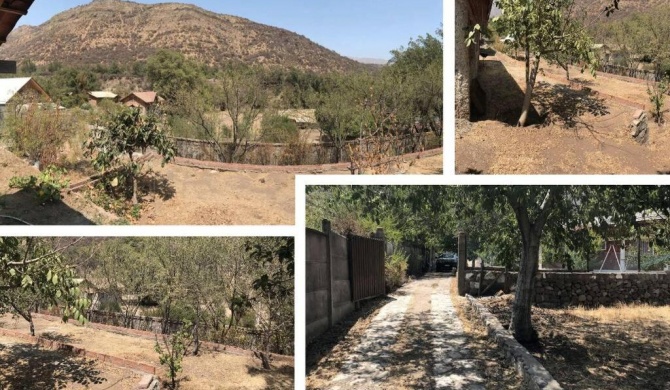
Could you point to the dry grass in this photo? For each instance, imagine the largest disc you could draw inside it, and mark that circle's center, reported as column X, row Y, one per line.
column 639, row 312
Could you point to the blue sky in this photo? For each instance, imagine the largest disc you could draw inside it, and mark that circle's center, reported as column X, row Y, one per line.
column 363, row 28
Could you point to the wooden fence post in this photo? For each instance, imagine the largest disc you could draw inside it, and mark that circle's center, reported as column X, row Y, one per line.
column 462, row 259
column 326, row 228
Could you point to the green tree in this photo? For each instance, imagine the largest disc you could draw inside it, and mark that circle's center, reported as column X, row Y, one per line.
column 170, row 72
column 125, row 134
column 31, row 274
column 546, row 31
column 172, row 352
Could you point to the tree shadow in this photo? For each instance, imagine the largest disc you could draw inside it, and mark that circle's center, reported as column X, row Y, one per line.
column 154, row 183
column 562, row 105
column 504, row 97
column 279, row 377
column 323, row 345
column 55, row 336
column 25, row 366
column 22, row 207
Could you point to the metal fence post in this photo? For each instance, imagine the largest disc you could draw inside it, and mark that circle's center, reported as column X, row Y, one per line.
column 462, row 259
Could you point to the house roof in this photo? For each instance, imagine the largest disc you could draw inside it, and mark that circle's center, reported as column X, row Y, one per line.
column 11, row 86
column 148, row 97
column 103, row 94
column 10, row 13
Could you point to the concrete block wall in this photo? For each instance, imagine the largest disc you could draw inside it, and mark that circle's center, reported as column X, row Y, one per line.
column 328, row 295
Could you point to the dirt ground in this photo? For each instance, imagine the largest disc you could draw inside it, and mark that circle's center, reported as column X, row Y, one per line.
column 73, row 210
column 209, row 371
column 176, row 195
column 26, row 366
column 584, row 131
column 412, row 366
column 607, row 348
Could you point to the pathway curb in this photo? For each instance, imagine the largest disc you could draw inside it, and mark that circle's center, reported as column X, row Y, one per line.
column 535, row 376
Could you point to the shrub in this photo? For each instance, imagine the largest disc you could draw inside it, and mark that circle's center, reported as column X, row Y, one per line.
column 278, row 129
column 657, row 98
column 36, row 130
column 48, row 185
column 172, row 352
column 396, row 270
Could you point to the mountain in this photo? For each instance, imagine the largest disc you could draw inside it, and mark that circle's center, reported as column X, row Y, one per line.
column 106, row 31
column 370, row 61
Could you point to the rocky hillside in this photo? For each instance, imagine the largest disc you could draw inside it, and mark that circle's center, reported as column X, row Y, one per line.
column 594, row 9
column 105, row 31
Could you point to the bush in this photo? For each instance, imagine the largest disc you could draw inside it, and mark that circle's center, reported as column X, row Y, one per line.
column 396, row 270
column 37, row 130
column 278, row 129
column 657, row 98
column 48, row 185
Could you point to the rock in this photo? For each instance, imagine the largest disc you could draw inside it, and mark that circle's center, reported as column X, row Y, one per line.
column 582, row 298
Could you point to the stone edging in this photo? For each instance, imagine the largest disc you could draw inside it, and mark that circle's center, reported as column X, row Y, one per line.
column 535, row 376
column 214, row 347
column 55, row 345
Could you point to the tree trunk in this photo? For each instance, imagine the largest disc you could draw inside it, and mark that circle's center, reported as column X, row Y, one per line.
column 32, row 326
column 520, row 324
column 132, row 177
column 530, row 84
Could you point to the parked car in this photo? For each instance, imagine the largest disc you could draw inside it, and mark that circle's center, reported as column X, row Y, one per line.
column 446, row 262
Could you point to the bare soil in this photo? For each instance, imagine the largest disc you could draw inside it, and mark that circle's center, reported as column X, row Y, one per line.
column 26, row 366
column 74, row 209
column 601, row 348
column 209, row 370
column 578, row 130
column 173, row 195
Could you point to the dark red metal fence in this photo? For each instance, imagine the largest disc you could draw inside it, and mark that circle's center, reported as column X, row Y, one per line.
column 367, row 267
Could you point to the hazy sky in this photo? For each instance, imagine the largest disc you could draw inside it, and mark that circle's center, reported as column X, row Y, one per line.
column 354, row 28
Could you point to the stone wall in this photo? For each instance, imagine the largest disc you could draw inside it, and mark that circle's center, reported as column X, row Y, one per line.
column 590, row 289
column 559, row 289
column 289, row 154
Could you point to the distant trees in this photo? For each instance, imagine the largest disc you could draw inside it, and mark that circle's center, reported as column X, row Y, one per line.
column 546, row 31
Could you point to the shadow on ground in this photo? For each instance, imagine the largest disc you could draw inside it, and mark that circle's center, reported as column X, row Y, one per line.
column 564, row 106
column 25, row 366
column 280, row 377
column 325, row 343
column 504, row 97
column 154, row 183
column 23, row 206
column 585, row 353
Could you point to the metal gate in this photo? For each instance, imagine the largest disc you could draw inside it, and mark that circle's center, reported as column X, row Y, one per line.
column 367, row 267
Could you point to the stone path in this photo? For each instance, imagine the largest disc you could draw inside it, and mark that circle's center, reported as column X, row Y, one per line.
column 444, row 360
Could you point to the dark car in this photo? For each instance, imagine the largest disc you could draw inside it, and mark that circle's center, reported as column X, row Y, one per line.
column 446, row 262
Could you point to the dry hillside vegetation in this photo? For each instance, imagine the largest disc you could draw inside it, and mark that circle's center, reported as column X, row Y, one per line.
column 105, row 31
column 594, row 9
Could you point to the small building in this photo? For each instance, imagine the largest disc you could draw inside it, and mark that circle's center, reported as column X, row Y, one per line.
column 20, row 86
column 143, row 100
column 95, row 97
